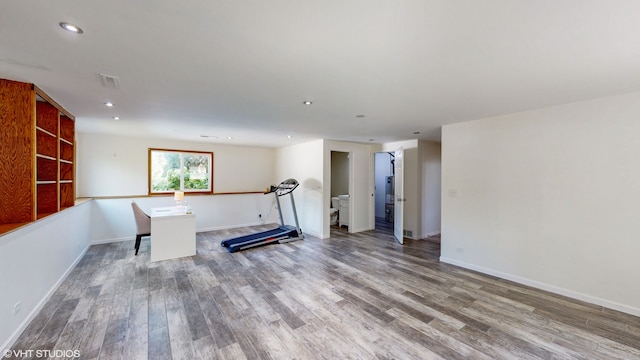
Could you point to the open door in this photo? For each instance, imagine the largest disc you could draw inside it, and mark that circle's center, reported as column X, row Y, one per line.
column 398, row 217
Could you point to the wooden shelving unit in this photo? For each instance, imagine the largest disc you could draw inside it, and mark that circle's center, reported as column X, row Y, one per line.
column 66, row 160
column 37, row 157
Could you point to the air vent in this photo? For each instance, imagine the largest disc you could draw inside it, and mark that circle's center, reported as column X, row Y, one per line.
column 109, row 81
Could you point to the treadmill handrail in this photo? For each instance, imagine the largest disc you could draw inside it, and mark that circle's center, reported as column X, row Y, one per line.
column 284, row 187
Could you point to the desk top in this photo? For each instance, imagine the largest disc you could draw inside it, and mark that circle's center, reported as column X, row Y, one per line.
column 168, row 211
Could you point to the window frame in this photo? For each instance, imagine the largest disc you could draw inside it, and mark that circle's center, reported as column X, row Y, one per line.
column 181, row 153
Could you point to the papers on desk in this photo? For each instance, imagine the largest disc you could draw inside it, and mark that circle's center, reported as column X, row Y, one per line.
column 168, row 211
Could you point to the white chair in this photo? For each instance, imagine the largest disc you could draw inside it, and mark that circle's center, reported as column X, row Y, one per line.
column 143, row 224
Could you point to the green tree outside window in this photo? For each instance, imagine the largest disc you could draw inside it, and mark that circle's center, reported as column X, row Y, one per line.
column 176, row 170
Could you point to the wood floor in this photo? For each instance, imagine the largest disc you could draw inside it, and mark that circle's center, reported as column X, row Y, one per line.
column 359, row 296
column 383, row 226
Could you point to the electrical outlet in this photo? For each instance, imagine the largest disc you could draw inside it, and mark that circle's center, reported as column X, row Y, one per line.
column 17, row 307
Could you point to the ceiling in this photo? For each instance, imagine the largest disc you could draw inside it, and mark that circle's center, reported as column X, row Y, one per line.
column 242, row 69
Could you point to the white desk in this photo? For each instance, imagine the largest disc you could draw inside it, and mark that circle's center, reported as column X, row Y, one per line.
column 173, row 233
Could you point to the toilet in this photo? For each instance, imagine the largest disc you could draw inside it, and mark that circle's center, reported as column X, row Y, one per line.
column 333, row 212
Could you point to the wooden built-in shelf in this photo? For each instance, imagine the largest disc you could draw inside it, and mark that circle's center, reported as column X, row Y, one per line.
column 66, row 152
column 5, row 228
column 40, row 156
column 47, row 194
column 67, row 129
column 46, row 144
column 47, row 169
column 45, row 132
column 42, row 215
column 67, row 197
column 66, row 171
column 47, row 117
column 37, row 156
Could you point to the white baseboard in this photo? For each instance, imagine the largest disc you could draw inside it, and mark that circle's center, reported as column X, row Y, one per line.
column 16, row 334
column 547, row 287
column 113, row 240
column 319, row 236
column 429, row 234
column 362, row 229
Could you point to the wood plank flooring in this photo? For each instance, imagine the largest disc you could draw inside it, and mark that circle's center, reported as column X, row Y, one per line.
column 354, row 296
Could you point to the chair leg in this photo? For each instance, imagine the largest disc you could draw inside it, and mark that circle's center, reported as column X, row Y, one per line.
column 138, row 238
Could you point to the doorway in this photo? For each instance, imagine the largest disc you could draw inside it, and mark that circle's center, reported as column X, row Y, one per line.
column 339, row 213
column 384, row 191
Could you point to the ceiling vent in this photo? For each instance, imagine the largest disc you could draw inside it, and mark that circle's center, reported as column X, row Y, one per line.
column 109, row 81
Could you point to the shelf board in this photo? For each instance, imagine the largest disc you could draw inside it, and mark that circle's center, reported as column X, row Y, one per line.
column 46, row 157
column 45, row 182
column 5, row 228
column 46, row 132
column 45, row 214
column 66, row 181
column 66, row 161
column 66, row 141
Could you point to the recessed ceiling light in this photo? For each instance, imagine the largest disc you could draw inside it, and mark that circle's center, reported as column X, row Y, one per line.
column 230, row 137
column 371, row 139
column 108, row 104
column 116, row 118
column 416, row 132
column 72, row 28
column 360, row 115
column 209, row 136
column 307, row 102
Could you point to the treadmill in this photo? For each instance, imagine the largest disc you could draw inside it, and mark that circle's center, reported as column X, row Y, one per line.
column 282, row 234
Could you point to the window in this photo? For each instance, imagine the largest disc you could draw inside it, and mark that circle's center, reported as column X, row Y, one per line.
column 176, row 170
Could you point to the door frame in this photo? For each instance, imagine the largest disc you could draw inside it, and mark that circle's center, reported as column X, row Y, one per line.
column 399, row 200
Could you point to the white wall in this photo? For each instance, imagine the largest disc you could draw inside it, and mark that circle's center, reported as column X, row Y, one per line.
column 118, row 166
column 549, row 198
column 303, row 162
column 430, row 179
column 112, row 219
column 310, row 164
column 34, row 260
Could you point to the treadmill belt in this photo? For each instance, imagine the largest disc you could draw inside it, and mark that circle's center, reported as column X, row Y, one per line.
column 251, row 240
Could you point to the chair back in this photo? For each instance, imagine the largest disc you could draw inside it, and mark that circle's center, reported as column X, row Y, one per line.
column 143, row 221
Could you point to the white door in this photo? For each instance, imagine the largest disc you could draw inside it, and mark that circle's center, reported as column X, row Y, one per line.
column 398, row 218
